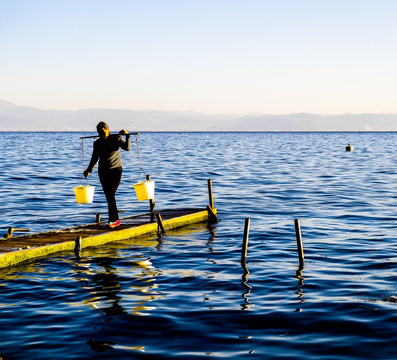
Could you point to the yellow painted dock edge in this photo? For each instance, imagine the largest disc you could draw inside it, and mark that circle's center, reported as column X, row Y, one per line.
column 16, row 257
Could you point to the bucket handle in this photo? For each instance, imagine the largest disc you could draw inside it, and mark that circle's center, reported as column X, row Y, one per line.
column 81, row 180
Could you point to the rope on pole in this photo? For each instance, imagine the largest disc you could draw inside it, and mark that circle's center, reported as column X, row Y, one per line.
column 82, row 147
column 139, row 153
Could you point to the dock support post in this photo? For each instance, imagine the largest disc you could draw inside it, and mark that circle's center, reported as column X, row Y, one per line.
column 77, row 247
column 210, row 195
column 245, row 245
column 299, row 243
column 151, row 202
column 160, row 224
column 12, row 229
column 212, row 218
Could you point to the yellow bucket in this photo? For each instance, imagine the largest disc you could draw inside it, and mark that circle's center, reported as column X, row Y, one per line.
column 84, row 194
column 144, row 190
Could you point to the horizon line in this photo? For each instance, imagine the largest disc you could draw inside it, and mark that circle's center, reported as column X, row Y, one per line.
column 250, row 112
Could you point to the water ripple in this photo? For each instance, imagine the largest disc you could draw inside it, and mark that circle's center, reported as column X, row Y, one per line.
column 185, row 295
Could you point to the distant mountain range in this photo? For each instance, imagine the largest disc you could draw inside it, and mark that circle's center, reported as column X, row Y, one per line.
column 24, row 118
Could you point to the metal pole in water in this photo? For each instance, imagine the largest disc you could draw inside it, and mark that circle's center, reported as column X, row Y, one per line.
column 245, row 244
column 299, row 243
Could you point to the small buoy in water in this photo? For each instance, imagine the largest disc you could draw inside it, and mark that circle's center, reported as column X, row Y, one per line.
column 349, row 147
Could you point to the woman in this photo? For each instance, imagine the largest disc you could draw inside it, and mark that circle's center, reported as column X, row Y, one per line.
column 107, row 151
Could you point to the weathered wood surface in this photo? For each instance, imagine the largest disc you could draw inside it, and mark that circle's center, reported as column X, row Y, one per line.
column 17, row 249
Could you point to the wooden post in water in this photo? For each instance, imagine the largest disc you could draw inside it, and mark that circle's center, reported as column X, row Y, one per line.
column 77, row 247
column 245, row 245
column 210, row 195
column 212, row 218
column 12, row 229
column 98, row 218
column 299, row 243
column 160, row 224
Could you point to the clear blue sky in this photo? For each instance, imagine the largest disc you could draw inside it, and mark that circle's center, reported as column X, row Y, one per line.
column 214, row 56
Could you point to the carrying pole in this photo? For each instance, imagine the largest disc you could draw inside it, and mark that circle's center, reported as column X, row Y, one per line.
column 97, row 136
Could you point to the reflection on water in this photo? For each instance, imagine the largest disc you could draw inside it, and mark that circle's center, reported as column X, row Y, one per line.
column 244, row 283
column 299, row 292
column 108, row 291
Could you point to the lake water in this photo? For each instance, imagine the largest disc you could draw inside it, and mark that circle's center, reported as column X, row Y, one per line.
column 185, row 296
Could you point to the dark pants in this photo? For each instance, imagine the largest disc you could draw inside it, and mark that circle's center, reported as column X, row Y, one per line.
column 110, row 180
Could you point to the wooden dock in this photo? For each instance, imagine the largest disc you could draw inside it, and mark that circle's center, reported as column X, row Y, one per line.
column 17, row 249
